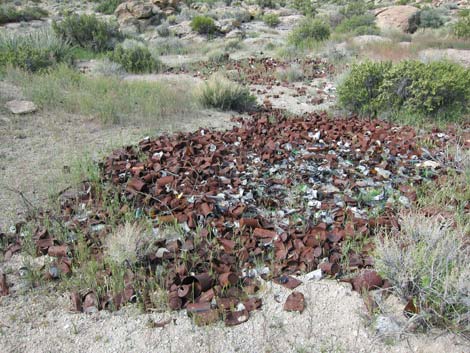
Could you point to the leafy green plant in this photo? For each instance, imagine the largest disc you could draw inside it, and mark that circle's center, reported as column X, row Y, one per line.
column 358, row 25
column 437, row 88
column 462, row 27
column 271, row 19
column 87, row 31
column 360, row 90
column 33, row 51
column 219, row 92
column 12, row 14
column 203, row 25
column 136, row 59
column 309, row 31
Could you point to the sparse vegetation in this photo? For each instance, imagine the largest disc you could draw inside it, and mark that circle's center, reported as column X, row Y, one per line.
column 87, row 31
column 108, row 6
column 10, row 13
column 106, row 98
column 219, row 92
column 427, row 262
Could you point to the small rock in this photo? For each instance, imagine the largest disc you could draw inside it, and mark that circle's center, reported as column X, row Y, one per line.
column 428, row 164
column 386, row 326
column 21, row 107
column 315, row 275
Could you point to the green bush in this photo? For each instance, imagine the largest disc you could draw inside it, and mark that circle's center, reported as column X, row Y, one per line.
column 305, row 7
column 137, row 59
column 360, row 90
column 11, row 14
column 203, row 25
column 309, row 31
column 434, row 89
column 431, row 18
column 358, row 25
column 437, row 88
column 462, row 27
column 87, row 31
column 219, row 92
column 266, row 3
column 271, row 19
column 108, row 6
column 33, row 51
column 354, row 8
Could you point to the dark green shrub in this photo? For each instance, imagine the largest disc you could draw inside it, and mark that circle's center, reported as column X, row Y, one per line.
column 462, row 27
column 136, row 59
column 266, row 3
column 271, row 19
column 87, row 31
column 437, row 88
column 309, row 31
column 108, row 6
column 431, row 18
column 11, row 14
column 358, row 25
column 360, row 90
column 33, row 51
column 203, row 25
column 305, row 7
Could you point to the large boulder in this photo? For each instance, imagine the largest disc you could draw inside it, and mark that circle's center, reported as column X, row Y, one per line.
column 396, row 18
column 136, row 15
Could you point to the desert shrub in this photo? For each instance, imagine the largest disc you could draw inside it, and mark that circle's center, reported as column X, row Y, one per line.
column 108, row 6
column 33, row 51
column 427, row 262
column 361, row 88
column 462, row 27
column 107, row 67
column 305, row 7
column 436, row 88
column 163, row 30
column 12, row 14
column 135, row 59
column 218, row 56
column 221, row 93
column 309, row 31
column 358, row 25
column 354, row 8
column 431, row 18
column 292, row 73
column 203, row 25
column 266, row 3
column 170, row 45
column 87, row 31
column 271, row 19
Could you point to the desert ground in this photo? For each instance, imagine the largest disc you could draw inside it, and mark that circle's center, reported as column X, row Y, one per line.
column 238, row 176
